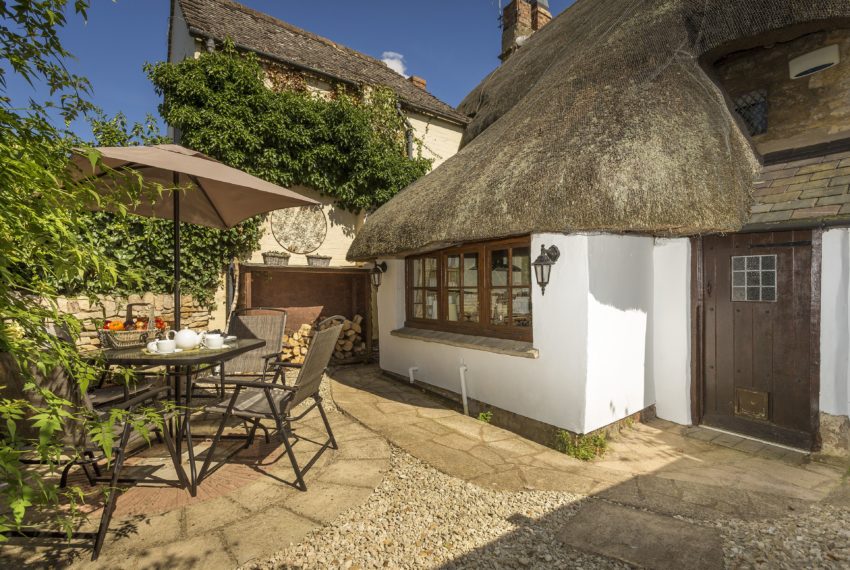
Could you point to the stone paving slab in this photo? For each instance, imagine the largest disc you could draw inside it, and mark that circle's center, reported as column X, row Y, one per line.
column 699, row 501
column 647, row 540
column 653, row 465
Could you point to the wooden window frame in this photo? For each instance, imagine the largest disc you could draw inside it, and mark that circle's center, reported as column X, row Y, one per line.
column 484, row 288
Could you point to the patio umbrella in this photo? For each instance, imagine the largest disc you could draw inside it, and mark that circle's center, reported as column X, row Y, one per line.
column 217, row 195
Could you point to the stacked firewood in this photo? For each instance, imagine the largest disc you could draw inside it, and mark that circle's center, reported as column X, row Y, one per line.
column 296, row 343
column 350, row 343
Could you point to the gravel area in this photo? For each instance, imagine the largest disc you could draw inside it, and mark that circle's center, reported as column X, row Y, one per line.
column 818, row 537
column 421, row 518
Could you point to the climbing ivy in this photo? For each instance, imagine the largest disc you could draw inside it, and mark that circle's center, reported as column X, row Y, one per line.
column 349, row 146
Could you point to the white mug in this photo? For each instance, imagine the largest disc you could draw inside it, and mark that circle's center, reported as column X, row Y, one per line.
column 212, row 340
column 152, row 346
column 165, row 346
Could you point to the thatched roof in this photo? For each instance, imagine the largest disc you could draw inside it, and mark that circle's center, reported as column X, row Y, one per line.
column 605, row 120
column 288, row 44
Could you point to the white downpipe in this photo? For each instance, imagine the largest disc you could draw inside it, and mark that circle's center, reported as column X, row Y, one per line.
column 410, row 372
column 463, row 370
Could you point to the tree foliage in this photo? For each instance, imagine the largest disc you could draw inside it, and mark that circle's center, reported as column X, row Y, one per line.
column 350, row 147
column 44, row 240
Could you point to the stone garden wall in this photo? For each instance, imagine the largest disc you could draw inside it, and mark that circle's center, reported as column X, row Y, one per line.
column 192, row 314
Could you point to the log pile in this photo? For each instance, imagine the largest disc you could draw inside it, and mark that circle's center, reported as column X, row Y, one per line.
column 350, row 343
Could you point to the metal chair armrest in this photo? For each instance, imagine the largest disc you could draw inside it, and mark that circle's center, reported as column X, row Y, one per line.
column 282, row 364
column 229, row 381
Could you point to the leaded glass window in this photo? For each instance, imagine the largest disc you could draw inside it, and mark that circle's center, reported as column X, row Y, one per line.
column 754, row 278
column 752, row 108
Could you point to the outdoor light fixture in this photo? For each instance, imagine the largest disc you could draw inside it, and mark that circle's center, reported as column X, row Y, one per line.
column 378, row 273
column 543, row 265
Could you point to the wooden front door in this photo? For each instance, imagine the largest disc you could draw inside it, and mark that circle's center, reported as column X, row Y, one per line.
column 760, row 336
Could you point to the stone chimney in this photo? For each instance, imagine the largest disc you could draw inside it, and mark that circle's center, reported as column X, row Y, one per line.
column 520, row 19
column 419, row 82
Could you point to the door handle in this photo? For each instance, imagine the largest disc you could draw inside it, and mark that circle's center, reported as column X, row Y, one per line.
column 708, row 288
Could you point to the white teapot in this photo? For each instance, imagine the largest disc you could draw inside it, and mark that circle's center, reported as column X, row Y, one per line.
column 186, row 339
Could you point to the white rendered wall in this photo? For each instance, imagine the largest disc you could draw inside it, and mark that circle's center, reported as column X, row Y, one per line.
column 549, row 388
column 182, row 44
column 835, row 323
column 341, row 227
column 612, row 332
column 619, row 305
column 669, row 366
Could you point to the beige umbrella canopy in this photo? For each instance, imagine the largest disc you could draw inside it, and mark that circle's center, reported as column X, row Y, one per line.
column 216, row 195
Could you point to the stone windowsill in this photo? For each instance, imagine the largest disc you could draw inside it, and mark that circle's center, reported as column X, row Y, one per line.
column 497, row 345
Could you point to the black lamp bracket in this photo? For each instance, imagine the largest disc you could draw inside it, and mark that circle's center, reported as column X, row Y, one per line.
column 552, row 252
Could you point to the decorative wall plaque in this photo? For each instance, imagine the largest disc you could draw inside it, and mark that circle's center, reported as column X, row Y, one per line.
column 299, row 230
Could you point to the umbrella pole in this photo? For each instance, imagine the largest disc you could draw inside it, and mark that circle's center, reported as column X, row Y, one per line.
column 176, row 197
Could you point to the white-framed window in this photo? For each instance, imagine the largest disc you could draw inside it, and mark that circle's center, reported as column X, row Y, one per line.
column 754, row 278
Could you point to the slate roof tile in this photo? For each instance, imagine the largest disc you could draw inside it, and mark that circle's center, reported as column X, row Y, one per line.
column 221, row 19
column 811, row 191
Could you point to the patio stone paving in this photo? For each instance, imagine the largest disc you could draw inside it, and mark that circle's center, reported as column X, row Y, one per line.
column 455, row 492
column 688, row 467
column 244, row 511
column 655, row 475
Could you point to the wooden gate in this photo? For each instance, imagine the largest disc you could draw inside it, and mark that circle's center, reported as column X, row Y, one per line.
column 761, row 335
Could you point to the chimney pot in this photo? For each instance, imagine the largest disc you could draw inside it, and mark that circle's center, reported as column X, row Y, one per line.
column 418, row 81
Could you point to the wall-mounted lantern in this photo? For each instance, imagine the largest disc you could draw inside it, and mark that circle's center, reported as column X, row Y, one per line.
column 377, row 273
column 543, row 265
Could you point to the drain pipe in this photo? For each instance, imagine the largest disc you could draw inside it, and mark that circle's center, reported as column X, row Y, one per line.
column 410, row 372
column 463, row 370
column 408, row 130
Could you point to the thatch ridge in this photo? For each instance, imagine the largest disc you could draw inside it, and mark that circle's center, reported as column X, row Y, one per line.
column 605, row 120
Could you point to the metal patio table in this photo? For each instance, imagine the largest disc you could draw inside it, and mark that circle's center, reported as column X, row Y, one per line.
column 180, row 369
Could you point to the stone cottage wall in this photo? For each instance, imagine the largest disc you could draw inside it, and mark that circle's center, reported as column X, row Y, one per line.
column 803, row 111
column 192, row 314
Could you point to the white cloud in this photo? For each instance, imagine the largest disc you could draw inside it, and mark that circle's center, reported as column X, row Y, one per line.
column 395, row 61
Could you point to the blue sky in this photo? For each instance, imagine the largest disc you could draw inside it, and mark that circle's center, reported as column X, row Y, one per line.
column 453, row 44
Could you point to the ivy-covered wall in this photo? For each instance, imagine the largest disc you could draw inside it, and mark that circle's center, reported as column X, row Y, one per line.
column 348, row 146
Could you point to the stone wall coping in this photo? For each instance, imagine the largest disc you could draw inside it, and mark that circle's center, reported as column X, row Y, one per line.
column 496, row 345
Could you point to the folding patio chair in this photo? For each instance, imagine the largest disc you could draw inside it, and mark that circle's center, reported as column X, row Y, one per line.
column 255, row 401
column 264, row 363
column 78, row 448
